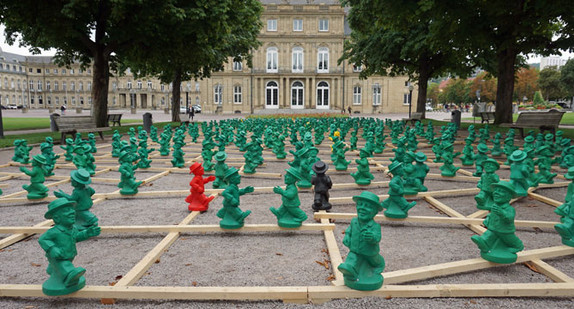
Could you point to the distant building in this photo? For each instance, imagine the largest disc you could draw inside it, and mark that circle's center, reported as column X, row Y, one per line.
column 295, row 68
column 552, row 62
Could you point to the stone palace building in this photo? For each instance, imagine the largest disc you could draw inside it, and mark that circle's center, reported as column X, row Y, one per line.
column 295, row 68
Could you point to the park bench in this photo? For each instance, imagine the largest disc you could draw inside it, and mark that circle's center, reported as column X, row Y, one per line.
column 486, row 116
column 414, row 118
column 77, row 124
column 544, row 121
column 115, row 118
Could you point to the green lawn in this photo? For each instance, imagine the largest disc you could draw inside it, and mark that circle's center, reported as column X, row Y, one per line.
column 567, row 119
column 13, row 124
column 36, row 138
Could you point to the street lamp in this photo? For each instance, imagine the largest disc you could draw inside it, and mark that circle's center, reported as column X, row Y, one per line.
column 410, row 98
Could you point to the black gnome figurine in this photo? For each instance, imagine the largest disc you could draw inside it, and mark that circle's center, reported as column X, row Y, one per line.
column 322, row 183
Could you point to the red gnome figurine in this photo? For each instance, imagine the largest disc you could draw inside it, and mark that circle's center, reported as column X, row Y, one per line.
column 197, row 200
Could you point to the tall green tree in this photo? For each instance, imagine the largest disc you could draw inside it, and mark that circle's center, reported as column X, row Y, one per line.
column 401, row 37
column 500, row 31
column 93, row 32
column 567, row 79
column 209, row 32
column 549, row 83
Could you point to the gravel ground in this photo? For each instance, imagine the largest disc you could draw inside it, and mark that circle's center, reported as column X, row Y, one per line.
column 268, row 258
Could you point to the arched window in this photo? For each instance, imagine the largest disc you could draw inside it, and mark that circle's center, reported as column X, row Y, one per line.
column 271, row 95
column 323, row 95
column 272, row 60
column 297, row 60
column 323, row 60
column 297, row 97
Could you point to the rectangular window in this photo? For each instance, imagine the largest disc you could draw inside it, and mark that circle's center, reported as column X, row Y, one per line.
column 48, row 88
column 56, row 86
column 376, row 94
column 297, row 25
column 129, row 85
column 218, row 95
column 272, row 60
column 407, row 99
column 139, row 84
column 297, row 60
column 90, row 86
column 196, row 87
column 237, row 66
column 31, row 84
column 47, row 71
column 323, row 25
column 39, row 85
column 55, row 71
column 37, row 70
column 149, row 85
column 272, row 25
column 237, row 94
column 64, row 86
column 357, row 68
column 63, row 71
column 323, row 60
column 73, row 86
column 71, row 71
column 357, row 95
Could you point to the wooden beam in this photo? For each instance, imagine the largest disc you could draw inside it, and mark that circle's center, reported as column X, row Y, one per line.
column 453, row 213
column 334, row 253
column 12, row 239
column 149, row 259
column 544, row 199
column 435, row 220
column 178, row 228
column 549, row 271
column 166, row 292
column 457, row 267
column 448, row 290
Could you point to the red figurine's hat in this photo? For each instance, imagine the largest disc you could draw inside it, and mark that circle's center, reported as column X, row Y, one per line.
column 194, row 166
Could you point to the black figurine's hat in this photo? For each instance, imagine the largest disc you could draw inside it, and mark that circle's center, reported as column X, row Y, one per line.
column 320, row 167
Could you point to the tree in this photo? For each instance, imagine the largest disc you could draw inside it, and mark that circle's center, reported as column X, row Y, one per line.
column 538, row 99
column 90, row 31
column 549, row 83
column 486, row 84
column 499, row 31
column 433, row 92
column 400, row 38
column 526, row 84
column 209, row 32
column 457, row 91
column 567, row 78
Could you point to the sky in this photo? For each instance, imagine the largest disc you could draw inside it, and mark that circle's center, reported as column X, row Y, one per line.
column 24, row 51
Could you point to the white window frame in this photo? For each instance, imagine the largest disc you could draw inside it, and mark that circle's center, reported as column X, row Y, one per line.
column 129, row 85
column 297, row 92
column 64, row 86
column 377, row 94
column 140, row 84
column 218, row 94
column 321, row 95
column 56, row 86
column 357, row 95
column 149, row 85
column 237, row 94
column 237, row 66
column 297, row 55
column 297, row 24
column 323, row 60
column 323, row 25
column 272, row 62
column 357, row 68
column 39, row 85
column 272, row 25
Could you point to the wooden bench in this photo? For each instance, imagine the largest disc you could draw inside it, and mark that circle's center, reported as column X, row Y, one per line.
column 414, row 118
column 486, row 116
column 77, row 124
column 115, row 118
column 545, row 121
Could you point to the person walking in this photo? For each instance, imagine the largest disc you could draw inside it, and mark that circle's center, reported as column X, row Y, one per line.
column 191, row 113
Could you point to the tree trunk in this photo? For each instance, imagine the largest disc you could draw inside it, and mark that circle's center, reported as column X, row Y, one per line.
column 176, row 94
column 423, row 87
column 505, row 88
column 100, row 81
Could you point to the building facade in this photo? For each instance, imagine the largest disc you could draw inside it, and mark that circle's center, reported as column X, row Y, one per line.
column 556, row 62
column 296, row 67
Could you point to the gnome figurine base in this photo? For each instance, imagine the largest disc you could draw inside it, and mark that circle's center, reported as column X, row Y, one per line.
column 289, row 215
column 363, row 266
column 499, row 243
column 59, row 243
column 197, row 199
